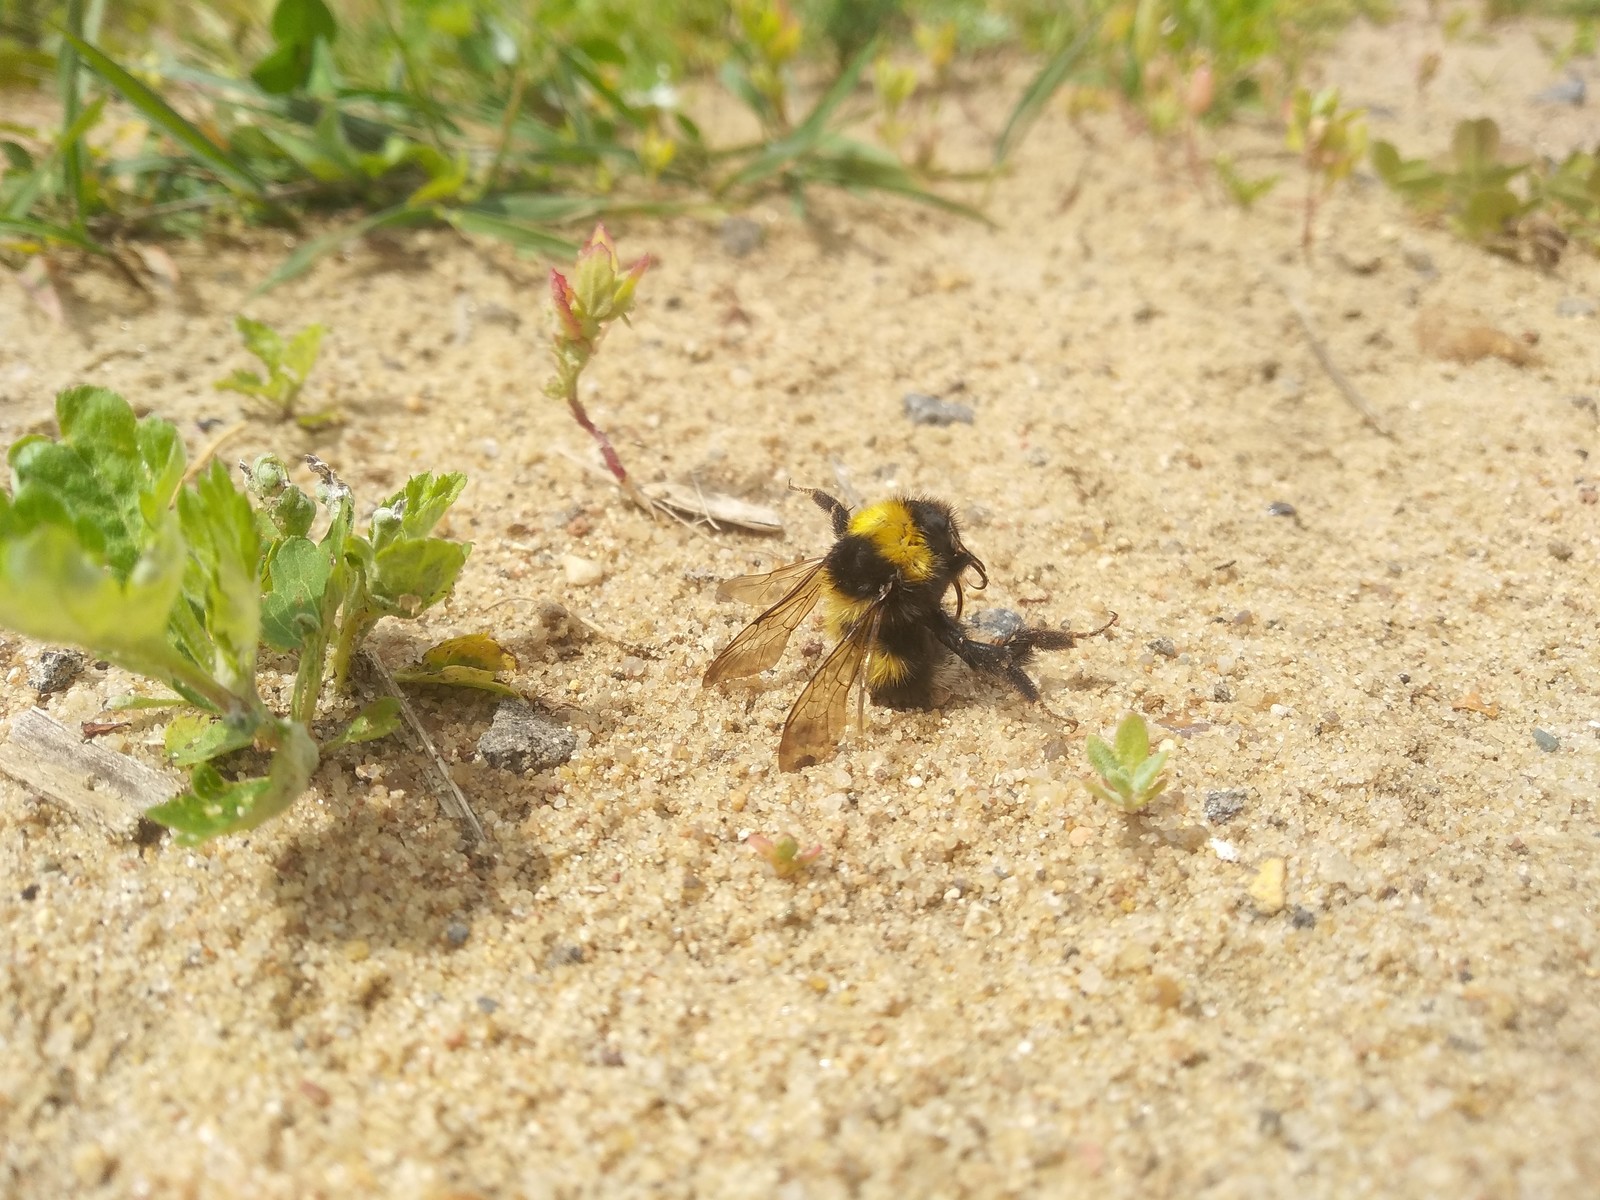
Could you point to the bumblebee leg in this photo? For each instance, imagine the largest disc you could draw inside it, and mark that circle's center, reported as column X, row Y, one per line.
column 837, row 512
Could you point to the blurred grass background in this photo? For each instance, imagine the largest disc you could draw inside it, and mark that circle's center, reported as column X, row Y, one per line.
column 520, row 121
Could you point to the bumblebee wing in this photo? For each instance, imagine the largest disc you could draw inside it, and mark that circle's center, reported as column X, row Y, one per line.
column 818, row 718
column 768, row 587
column 761, row 642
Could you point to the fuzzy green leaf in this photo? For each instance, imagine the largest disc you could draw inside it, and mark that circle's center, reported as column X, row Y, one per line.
column 260, row 339
column 1133, row 741
column 1102, row 757
column 1144, row 775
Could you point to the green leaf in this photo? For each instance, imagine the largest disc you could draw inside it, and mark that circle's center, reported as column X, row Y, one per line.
column 158, row 112
column 285, row 69
column 194, row 738
column 303, row 21
column 424, row 500
column 292, row 608
column 378, row 719
column 111, row 476
column 458, row 675
column 470, row 650
column 1101, row 757
column 412, row 575
column 1145, row 774
column 246, row 382
column 222, row 583
column 260, row 339
column 214, row 806
column 300, row 355
column 1133, row 741
column 54, row 589
column 1476, row 145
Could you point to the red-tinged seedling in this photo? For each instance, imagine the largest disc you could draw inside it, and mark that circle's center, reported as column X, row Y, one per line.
column 784, row 856
column 599, row 293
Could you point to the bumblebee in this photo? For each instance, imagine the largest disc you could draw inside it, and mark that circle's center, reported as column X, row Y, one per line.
column 882, row 587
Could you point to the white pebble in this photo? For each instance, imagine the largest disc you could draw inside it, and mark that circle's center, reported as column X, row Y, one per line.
column 582, row 572
column 1226, row 851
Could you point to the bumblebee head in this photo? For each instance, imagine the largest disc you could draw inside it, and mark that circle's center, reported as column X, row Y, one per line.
column 949, row 558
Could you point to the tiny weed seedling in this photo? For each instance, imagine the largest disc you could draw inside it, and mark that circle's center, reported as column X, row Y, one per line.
column 103, row 546
column 1513, row 208
column 288, row 365
column 784, row 856
column 1130, row 777
column 599, row 294
column 1330, row 141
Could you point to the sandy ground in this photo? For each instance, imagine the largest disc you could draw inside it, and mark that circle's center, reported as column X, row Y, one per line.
column 990, row 984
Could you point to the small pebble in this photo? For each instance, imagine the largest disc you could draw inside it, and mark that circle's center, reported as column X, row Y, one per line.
column 1225, row 805
column 523, row 739
column 564, row 956
column 582, row 572
column 487, row 1004
column 1302, row 918
column 1221, row 692
column 1548, row 742
column 924, row 409
column 91, row 1165
column 1571, row 90
column 1576, row 307
column 631, row 667
column 455, row 933
column 1281, row 508
column 1267, row 890
column 995, row 626
column 1560, row 551
column 1226, row 851
column 54, row 670
column 1164, row 647
column 740, row 236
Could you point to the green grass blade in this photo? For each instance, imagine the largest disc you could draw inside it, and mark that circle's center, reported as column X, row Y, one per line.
column 1044, row 85
column 73, row 160
column 857, row 166
column 69, row 142
column 300, row 261
column 806, row 137
column 44, row 231
column 476, row 218
column 162, row 114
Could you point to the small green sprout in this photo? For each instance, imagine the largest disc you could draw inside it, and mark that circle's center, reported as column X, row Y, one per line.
column 599, row 294
column 1130, row 776
column 1330, row 140
column 288, row 364
column 784, row 856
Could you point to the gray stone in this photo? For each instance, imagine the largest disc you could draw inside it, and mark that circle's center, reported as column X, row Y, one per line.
column 1225, row 805
column 924, row 409
column 740, row 235
column 522, row 739
column 54, row 670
